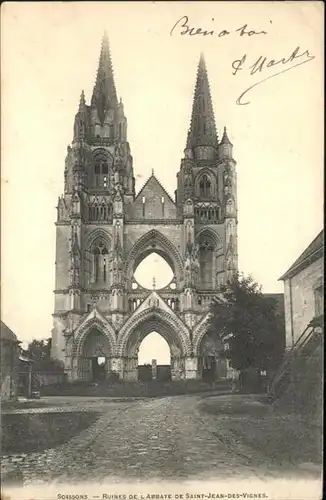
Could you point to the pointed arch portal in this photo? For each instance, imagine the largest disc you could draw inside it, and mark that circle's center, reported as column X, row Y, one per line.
column 93, row 348
column 154, row 346
column 140, row 325
column 154, row 358
column 154, row 242
column 153, row 272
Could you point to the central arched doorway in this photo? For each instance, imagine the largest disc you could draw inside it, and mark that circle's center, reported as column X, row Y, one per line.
column 154, row 358
column 148, row 321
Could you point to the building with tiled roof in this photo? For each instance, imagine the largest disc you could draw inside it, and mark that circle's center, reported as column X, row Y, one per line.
column 304, row 290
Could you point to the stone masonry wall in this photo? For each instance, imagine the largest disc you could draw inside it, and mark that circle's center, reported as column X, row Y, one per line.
column 152, row 208
column 135, row 232
column 303, row 300
column 62, row 257
column 9, row 369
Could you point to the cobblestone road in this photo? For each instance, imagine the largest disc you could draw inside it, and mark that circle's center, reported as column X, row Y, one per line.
column 145, row 439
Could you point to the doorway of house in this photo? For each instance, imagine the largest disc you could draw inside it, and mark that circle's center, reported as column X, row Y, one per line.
column 98, row 368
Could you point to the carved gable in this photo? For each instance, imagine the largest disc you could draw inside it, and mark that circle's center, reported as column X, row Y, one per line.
column 152, row 203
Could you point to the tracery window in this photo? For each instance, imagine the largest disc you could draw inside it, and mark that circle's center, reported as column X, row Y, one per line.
column 206, row 263
column 100, row 262
column 205, row 187
column 101, row 171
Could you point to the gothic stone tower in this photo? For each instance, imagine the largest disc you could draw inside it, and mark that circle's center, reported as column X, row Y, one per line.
column 104, row 230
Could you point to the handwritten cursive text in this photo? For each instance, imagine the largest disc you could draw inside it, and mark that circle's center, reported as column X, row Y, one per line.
column 182, row 27
column 263, row 63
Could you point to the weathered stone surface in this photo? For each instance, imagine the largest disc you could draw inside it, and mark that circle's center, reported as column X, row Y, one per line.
column 303, row 291
column 105, row 229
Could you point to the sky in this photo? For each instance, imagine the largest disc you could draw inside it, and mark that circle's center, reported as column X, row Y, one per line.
column 50, row 53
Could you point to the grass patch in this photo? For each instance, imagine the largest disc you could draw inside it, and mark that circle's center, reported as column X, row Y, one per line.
column 28, row 433
column 20, row 405
column 281, row 437
column 236, row 405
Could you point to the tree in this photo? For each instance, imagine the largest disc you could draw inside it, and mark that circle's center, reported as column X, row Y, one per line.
column 247, row 323
column 40, row 352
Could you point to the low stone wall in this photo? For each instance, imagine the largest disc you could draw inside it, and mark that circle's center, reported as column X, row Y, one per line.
column 50, row 378
column 136, row 389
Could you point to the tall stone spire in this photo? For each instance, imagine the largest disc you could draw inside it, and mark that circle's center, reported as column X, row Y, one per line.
column 202, row 131
column 104, row 94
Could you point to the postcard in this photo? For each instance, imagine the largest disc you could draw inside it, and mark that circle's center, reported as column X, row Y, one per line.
column 162, row 250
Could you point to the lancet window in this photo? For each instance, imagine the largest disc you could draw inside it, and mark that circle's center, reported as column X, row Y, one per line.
column 101, row 170
column 100, row 256
column 206, row 261
column 205, row 187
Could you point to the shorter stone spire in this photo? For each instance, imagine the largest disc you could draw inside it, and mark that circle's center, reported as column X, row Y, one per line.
column 120, row 107
column 225, row 147
column 82, row 102
column 81, row 119
column 225, row 139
